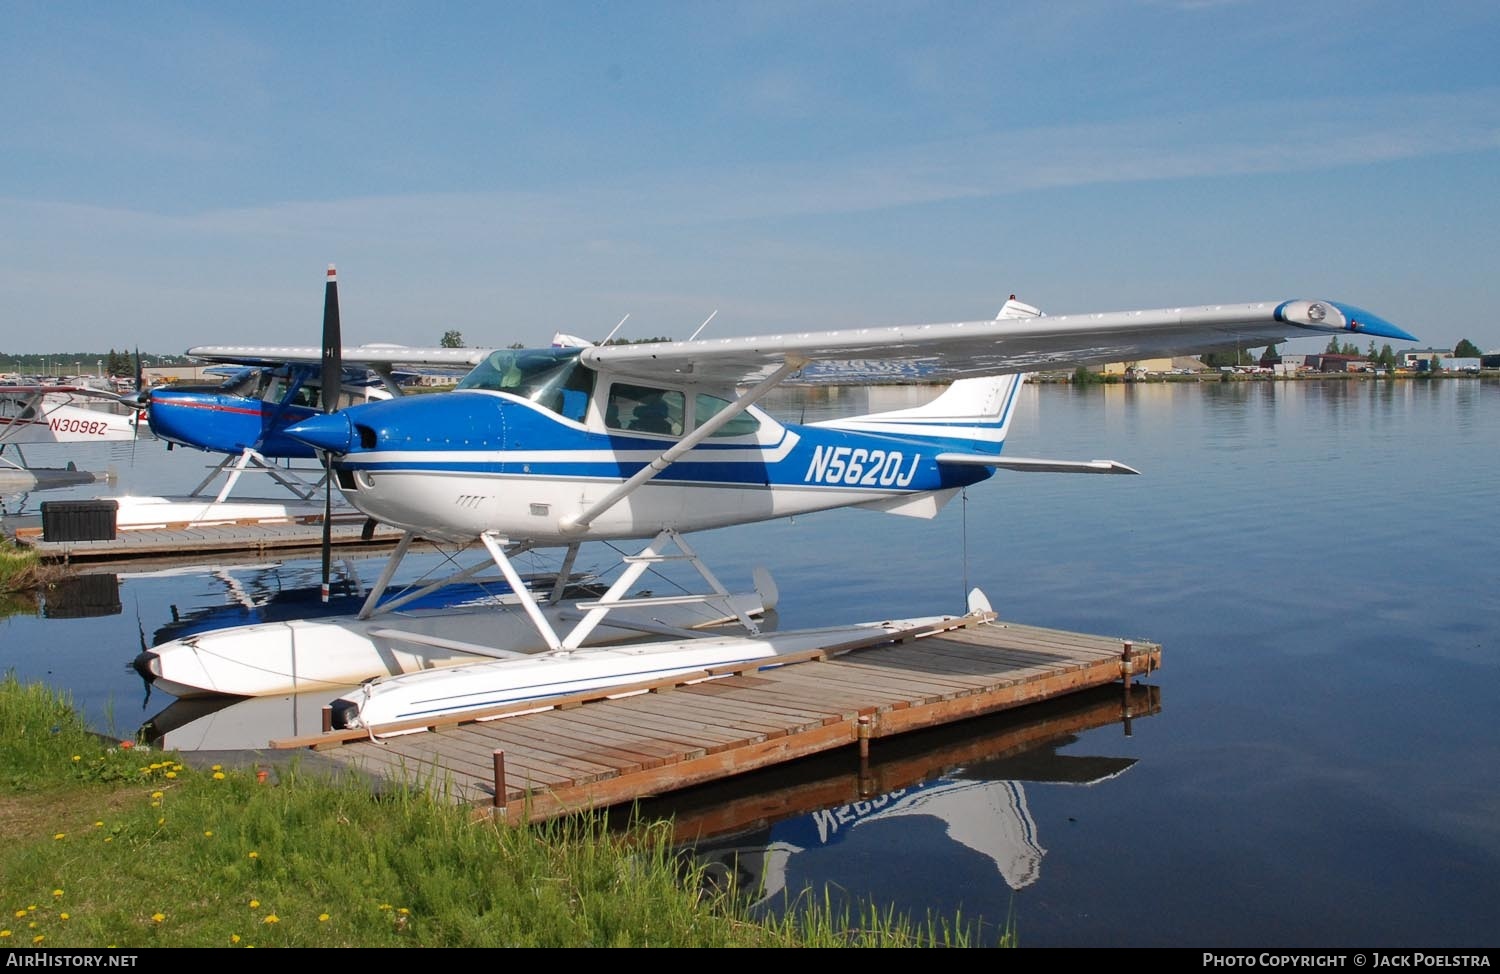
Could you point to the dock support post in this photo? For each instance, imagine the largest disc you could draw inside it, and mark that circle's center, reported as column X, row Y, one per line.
column 328, row 720
column 499, row 799
column 1127, row 656
column 864, row 739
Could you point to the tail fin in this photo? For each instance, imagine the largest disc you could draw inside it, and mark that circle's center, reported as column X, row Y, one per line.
column 972, row 414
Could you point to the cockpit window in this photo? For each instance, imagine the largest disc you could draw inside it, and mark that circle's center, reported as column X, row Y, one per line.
column 553, row 378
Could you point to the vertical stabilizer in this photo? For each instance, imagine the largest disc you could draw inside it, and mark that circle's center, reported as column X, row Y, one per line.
column 971, row 415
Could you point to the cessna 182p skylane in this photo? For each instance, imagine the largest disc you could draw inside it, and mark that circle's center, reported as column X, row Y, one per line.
column 565, row 445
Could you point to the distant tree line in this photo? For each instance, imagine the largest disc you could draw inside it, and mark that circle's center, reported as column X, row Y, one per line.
column 118, row 363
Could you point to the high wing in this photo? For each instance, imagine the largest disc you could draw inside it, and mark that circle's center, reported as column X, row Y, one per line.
column 944, row 352
column 373, row 355
column 34, row 392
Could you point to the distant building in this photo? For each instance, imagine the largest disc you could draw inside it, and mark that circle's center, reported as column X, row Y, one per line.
column 1330, row 362
column 1181, row 363
column 1411, row 356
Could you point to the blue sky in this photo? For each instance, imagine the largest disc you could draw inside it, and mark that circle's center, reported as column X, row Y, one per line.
column 179, row 174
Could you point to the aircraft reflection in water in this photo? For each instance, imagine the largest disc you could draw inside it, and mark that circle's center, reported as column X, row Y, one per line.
column 753, row 836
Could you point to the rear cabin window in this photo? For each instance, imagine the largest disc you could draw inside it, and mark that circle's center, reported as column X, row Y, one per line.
column 706, row 407
column 645, row 409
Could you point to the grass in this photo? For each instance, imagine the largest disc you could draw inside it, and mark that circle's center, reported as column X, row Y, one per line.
column 109, row 844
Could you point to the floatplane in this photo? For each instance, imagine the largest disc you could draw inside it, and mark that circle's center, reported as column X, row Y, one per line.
column 242, row 416
column 552, row 448
column 36, row 413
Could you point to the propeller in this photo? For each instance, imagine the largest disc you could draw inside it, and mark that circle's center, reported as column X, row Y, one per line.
column 142, row 402
column 332, row 382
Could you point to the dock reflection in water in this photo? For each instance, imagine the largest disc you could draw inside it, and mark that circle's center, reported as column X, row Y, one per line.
column 760, row 836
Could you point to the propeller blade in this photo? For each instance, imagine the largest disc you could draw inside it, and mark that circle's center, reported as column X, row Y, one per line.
column 333, row 372
column 138, row 405
column 333, row 346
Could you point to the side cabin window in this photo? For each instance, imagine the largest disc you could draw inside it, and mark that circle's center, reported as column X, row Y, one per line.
column 553, row 378
column 705, row 407
column 276, row 391
column 645, row 409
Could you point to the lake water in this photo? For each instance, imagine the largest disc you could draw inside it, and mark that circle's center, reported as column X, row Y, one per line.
column 1316, row 763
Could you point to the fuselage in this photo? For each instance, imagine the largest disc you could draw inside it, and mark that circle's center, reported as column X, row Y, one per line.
column 249, row 411
column 524, row 458
column 56, row 419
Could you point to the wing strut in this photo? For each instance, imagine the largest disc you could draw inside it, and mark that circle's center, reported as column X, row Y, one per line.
column 757, row 392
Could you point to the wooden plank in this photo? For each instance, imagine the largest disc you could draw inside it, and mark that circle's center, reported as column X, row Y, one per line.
column 561, row 725
column 517, row 735
column 924, row 679
column 728, row 712
column 825, row 678
column 685, row 746
column 590, row 748
column 525, row 751
column 697, row 771
column 820, row 695
column 1001, row 698
column 689, row 729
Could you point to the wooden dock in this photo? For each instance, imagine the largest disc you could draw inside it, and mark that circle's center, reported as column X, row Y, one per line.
column 252, row 538
column 591, row 752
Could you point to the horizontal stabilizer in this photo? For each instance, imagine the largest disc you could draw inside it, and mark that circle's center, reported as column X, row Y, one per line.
column 1034, row 465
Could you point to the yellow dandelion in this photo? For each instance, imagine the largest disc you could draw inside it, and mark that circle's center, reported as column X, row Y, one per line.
column 156, row 804
column 171, row 774
column 59, row 835
column 254, row 904
column 403, row 911
column 217, row 767
column 20, row 913
column 208, row 832
column 31, row 925
column 161, row 821
column 271, row 918
column 234, row 938
column 157, row 794
column 254, row 855
column 31, row 908
column 322, row 918
column 385, row 906
column 77, row 757
column 39, row 938
column 62, row 916
column 57, row 894
column 98, row 825
column 4, row 933
column 218, row 776
column 158, row 917
column 109, row 838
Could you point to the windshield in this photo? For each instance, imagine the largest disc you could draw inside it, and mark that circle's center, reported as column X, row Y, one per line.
column 552, row 378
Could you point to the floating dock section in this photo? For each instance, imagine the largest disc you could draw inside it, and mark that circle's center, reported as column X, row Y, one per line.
column 594, row 752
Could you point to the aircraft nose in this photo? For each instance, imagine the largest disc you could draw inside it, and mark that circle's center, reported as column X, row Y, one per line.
column 333, row 432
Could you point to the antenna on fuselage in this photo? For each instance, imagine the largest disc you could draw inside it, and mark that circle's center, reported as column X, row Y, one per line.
column 704, row 325
column 615, row 329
